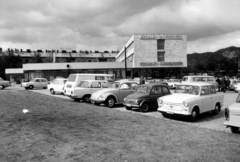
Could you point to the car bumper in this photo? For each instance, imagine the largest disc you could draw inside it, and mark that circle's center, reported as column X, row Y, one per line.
column 97, row 101
column 131, row 105
column 174, row 112
column 230, row 124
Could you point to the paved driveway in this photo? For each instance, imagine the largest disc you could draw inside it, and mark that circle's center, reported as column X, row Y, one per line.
column 206, row 120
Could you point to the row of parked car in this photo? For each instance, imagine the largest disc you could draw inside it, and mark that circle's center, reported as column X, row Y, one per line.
column 190, row 99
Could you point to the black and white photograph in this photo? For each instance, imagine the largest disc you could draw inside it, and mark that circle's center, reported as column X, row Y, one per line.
column 119, row 80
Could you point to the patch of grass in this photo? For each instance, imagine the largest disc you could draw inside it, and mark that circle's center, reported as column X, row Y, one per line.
column 61, row 130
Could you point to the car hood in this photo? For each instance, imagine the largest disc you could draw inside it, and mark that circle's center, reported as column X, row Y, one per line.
column 138, row 95
column 178, row 98
column 102, row 91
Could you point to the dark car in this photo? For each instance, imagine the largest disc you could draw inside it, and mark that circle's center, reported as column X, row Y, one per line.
column 146, row 97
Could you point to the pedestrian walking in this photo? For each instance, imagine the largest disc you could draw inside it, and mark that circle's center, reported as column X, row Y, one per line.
column 223, row 84
column 142, row 80
column 219, row 84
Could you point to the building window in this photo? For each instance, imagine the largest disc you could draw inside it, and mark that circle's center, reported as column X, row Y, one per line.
column 161, row 55
column 160, row 44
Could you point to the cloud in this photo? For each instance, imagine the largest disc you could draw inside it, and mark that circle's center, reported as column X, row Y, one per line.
column 108, row 24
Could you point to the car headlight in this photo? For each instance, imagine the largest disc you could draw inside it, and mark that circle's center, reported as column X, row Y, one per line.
column 160, row 100
column 102, row 97
column 185, row 104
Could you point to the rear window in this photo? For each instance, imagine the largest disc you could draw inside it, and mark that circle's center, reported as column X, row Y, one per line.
column 72, row 78
column 185, row 79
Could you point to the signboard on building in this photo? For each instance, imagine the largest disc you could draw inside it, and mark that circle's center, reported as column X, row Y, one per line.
column 161, row 63
column 167, row 37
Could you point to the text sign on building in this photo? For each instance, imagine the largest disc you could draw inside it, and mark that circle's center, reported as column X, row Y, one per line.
column 161, row 63
column 167, row 37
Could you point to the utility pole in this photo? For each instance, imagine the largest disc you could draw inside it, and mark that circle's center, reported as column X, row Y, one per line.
column 125, row 51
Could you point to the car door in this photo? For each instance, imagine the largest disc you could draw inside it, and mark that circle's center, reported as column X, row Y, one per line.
column 155, row 93
column 124, row 90
column 59, row 85
column 95, row 86
column 37, row 83
column 43, row 83
column 207, row 99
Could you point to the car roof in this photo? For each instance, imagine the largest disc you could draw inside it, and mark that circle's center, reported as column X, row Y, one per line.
column 198, row 76
column 196, row 83
column 154, row 84
column 126, row 81
column 95, row 80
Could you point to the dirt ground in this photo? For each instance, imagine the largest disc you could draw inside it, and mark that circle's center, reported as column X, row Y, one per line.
column 56, row 129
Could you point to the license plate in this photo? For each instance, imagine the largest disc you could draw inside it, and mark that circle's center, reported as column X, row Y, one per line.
column 170, row 112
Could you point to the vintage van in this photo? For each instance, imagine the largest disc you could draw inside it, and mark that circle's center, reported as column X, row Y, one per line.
column 74, row 80
column 200, row 78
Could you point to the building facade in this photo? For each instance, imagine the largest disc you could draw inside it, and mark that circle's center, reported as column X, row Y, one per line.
column 155, row 55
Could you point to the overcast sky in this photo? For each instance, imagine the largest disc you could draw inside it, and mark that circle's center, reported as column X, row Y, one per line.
column 108, row 24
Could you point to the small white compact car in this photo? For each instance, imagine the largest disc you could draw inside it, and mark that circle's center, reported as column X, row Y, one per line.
column 4, row 83
column 115, row 94
column 232, row 116
column 57, row 85
column 35, row 83
column 191, row 99
column 85, row 88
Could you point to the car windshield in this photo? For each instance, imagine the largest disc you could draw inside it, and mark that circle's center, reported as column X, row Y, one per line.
column 72, row 78
column 143, row 89
column 83, row 84
column 114, row 85
column 238, row 98
column 188, row 89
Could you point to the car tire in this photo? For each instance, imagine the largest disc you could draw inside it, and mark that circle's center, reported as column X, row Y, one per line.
column 216, row 109
column 3, row 86
column 52, row 91
column 234, row 129
column 26, row 88
column 31, row 87
column 128, row 108
column 194, row 115
column 110, row 102
column 165, row 115
column 86, row 98
column 76, row 100
column 144, row 107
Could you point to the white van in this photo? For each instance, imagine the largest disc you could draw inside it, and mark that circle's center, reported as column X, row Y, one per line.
column 74, row 80
column 200, row 78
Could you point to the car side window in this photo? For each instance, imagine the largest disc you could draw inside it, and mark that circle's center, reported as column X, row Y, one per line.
column 96, row 85
column 126, row 86
column 43, row 80
column 205, row 90
column 212, row 90
column 165, row 90
column 37, row 80
column 135, row 86
column 156, row 90
column 211, row 79
column 105, row 84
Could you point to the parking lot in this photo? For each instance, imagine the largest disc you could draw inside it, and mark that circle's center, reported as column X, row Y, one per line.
column 206, row 120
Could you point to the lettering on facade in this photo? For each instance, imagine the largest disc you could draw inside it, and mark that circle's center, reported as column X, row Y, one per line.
column 167, row 37
column 161, row 63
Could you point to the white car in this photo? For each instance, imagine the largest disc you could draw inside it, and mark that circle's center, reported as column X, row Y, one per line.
column 237, row 87
column 57, row 85
column 35, row 83
column 4, row 83
column 232, row 116
column 191, row 99
column 115, row 94
column 85, row 88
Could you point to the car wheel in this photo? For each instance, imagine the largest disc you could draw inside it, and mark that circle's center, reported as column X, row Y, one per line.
column 3, row 86
column 234, row 129
column 216, row 109
column 194, row 115
column 86, row 98
column 128, row 108
column 31, row 87
column 52, row 91
column 26, row 88
column 110, row 102
column 144, row 107
column 165, row 115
